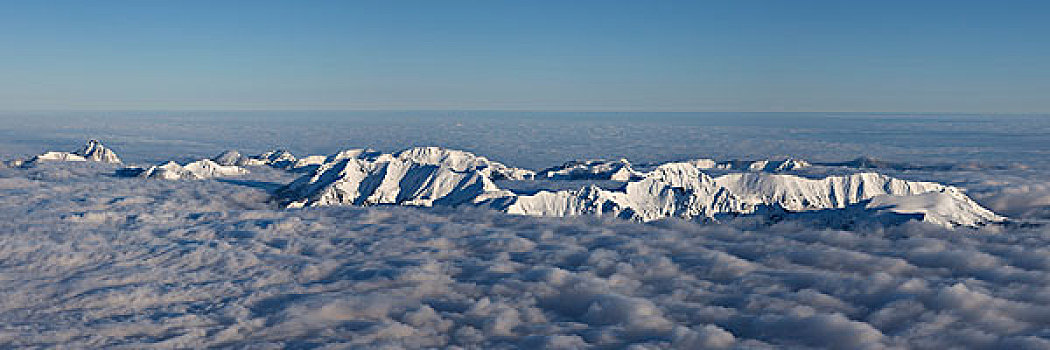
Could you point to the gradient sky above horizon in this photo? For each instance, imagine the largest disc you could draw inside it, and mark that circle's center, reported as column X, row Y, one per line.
column 877, row 56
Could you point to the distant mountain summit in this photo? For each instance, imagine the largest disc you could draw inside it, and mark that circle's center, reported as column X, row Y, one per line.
column 422, row 176
column 96, row 152
column 593, row 169
column 93, row 151
column 201, row 169
column 277, row 158
column 464, row 161
column 229, row 158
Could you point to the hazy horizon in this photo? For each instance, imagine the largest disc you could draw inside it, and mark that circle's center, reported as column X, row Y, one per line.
column 589, row 111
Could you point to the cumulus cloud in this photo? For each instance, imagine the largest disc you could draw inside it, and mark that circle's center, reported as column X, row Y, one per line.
column 1029, row 200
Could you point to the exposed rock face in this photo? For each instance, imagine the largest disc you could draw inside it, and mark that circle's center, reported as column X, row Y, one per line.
column 96, row 152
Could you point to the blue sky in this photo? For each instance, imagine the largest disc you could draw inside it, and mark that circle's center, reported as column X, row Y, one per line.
column 892, row 56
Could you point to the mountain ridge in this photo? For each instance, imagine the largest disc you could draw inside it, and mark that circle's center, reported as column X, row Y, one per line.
column 680, row 189
column 437, row 176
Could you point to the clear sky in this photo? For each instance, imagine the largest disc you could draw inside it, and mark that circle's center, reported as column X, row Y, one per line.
column 784, row 55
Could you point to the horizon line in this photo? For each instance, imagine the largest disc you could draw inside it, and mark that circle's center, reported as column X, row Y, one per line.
column 669, row 111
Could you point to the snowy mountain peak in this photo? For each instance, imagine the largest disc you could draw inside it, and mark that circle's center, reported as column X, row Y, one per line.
column 357, row 153
column 769, row 166
column 229, row 158
column 95, row 151
column 592, row 169
column 279, row 158
column 201, row 169
column 387, row 181
column 683, row 175
column 463, row 161
column 92, row 151
column 56, row 156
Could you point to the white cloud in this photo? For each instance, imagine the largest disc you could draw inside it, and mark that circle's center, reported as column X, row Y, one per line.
column 92, row 260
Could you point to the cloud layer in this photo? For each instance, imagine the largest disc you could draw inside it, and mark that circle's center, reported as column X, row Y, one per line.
column 90, row 260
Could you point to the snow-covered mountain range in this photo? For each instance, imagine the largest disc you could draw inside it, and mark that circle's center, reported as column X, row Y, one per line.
column 93, row 151
column 201, row 169
column 679, row 190
column 434, row 176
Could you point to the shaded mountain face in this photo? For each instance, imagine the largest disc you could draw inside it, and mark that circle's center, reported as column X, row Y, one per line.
column 229, row 157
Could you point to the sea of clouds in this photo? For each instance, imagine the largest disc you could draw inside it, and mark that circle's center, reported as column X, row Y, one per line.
column 92, row 260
